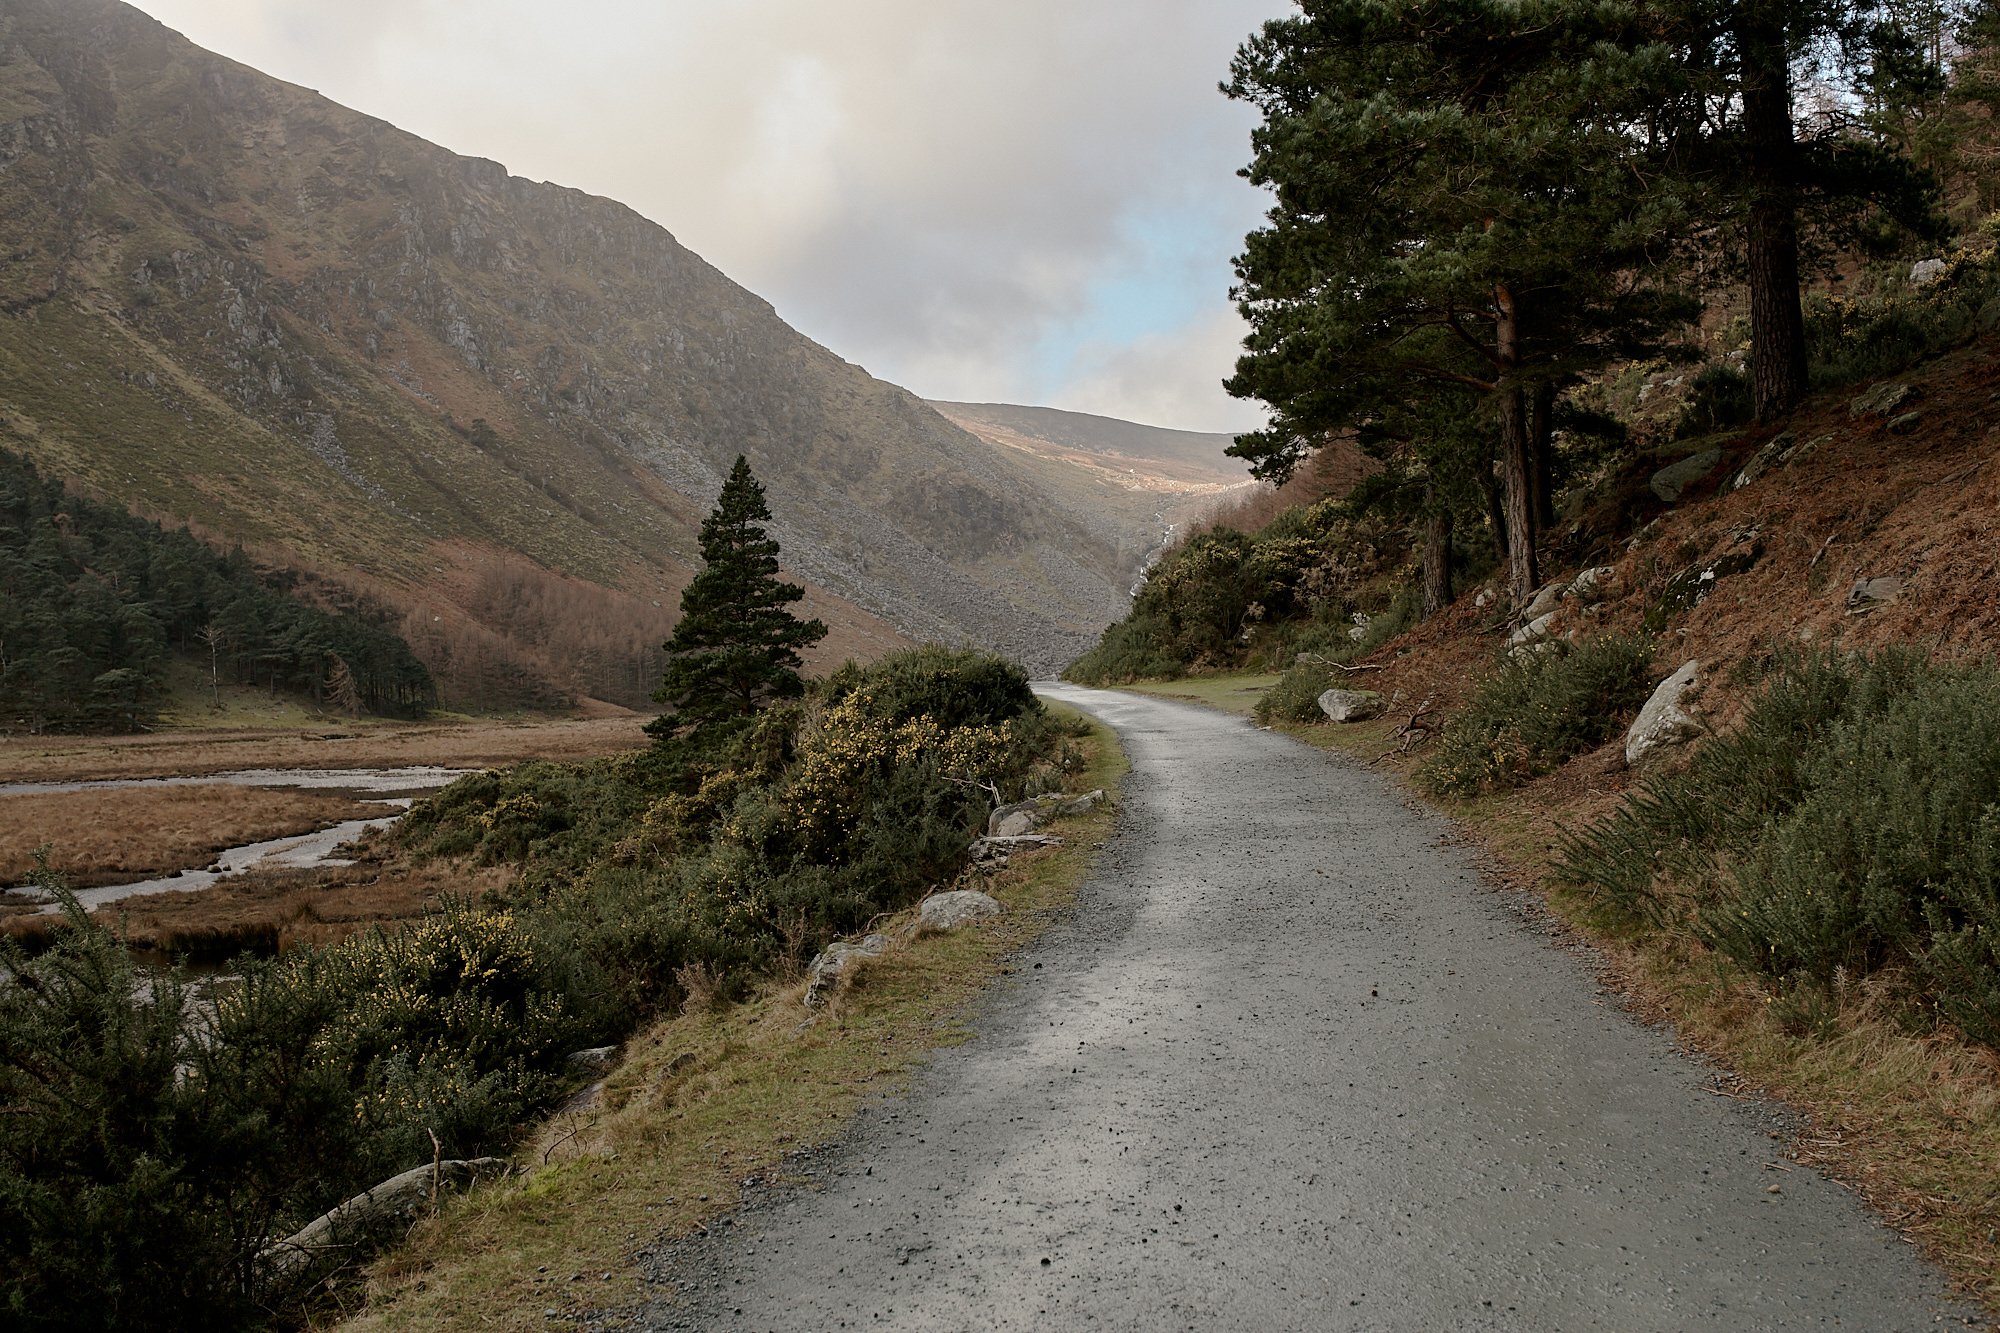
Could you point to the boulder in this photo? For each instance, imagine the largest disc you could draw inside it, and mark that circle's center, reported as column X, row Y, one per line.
column 1352, row 705
column 838, row 961
column 370, row 1215
column 995, row 849
column 1592, row 584
column 1535, row 630
column 1021, row 817
column 1905, row 423
column 1662, row 723
column 1544, row 601
column 1080, row 805
column 1884, row 400
column 1926, row 271
column 1867, row 594
column 961, row 907
column 594, row 1060
column 1670, row 483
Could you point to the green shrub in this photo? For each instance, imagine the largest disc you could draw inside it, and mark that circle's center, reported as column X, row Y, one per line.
column 952, row 687
column 1719, row 399
column 1295, row 698
column 1853, row 339
column 146, row 1157
column 1851, row 825
column 1539, row 709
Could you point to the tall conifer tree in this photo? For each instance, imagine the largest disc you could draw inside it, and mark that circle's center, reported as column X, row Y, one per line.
column 737, row 644
column 1456, row 211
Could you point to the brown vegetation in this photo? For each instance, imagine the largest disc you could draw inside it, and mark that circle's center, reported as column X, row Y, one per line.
column 481, row 744
column 123, row 834
column 265, row 912
column 1334, row 470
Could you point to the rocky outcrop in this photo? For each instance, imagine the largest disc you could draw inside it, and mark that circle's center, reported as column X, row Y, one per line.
column 1670, row 483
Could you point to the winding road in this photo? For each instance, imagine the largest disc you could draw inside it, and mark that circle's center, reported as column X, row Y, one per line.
column 1292, row 1065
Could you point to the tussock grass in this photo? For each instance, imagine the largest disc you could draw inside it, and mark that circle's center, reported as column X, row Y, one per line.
column 703, row 1100
column 126, row 834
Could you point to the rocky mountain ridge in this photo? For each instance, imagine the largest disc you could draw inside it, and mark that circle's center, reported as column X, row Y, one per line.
column 232, row 302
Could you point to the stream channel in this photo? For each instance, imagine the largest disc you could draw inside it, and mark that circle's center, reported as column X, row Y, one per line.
column 392, row 788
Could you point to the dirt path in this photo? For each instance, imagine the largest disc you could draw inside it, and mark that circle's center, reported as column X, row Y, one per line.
column 1293, row 1066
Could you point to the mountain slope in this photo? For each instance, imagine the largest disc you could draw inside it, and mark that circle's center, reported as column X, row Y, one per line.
column 233, row 302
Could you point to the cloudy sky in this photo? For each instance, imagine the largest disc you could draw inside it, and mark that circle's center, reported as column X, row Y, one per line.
column 1030, row 201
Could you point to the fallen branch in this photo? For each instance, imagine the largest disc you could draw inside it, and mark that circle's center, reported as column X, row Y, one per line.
column 1317, row 660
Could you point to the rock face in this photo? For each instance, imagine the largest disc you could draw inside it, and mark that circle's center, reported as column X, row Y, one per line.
column 1670, row 483
column 1352, row 705
column 1662, row 723
column 949, row 911
column 449, row 377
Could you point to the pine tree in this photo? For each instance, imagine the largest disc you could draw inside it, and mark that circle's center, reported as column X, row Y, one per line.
column 737, row 644
column 1457, row 211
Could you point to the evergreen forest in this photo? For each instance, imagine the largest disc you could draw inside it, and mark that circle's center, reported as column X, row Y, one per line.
column 99, row 605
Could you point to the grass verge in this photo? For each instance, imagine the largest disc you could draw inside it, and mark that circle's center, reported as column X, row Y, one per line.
column 700, row 1103
column 1909, row 1121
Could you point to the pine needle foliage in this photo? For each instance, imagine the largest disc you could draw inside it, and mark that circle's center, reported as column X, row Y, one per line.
column 737, row 645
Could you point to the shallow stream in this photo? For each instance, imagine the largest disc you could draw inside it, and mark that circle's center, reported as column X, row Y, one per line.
column 395, row 789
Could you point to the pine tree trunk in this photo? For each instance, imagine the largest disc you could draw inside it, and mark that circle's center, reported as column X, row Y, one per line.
column 1517, row 482
column 1437, row 559
column 1777, row 321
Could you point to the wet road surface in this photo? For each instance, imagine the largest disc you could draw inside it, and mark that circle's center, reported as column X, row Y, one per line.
column 1294, row 1066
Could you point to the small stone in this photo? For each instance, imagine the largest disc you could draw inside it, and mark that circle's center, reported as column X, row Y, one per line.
column 1904, row 424
column 1867, row 594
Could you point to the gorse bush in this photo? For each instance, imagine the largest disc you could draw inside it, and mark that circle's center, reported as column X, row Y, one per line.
column 1852, row 339
column 1227, row 598
column 1852, row 825
column 148, row 1151
column 1542, row 707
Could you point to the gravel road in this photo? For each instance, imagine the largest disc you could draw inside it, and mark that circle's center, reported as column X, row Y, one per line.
column 1293, row 1065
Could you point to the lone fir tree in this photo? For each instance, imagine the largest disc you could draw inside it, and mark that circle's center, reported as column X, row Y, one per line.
column 737, row 644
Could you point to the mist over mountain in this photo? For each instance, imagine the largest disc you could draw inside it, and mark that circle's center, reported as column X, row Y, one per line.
column 498, row 407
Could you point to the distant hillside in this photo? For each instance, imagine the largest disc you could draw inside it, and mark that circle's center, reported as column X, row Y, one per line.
column 1192, row 456
column 501, row 407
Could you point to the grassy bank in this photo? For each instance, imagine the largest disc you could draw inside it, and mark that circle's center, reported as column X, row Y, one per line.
column 1902, row 1114
column 706, row 1099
